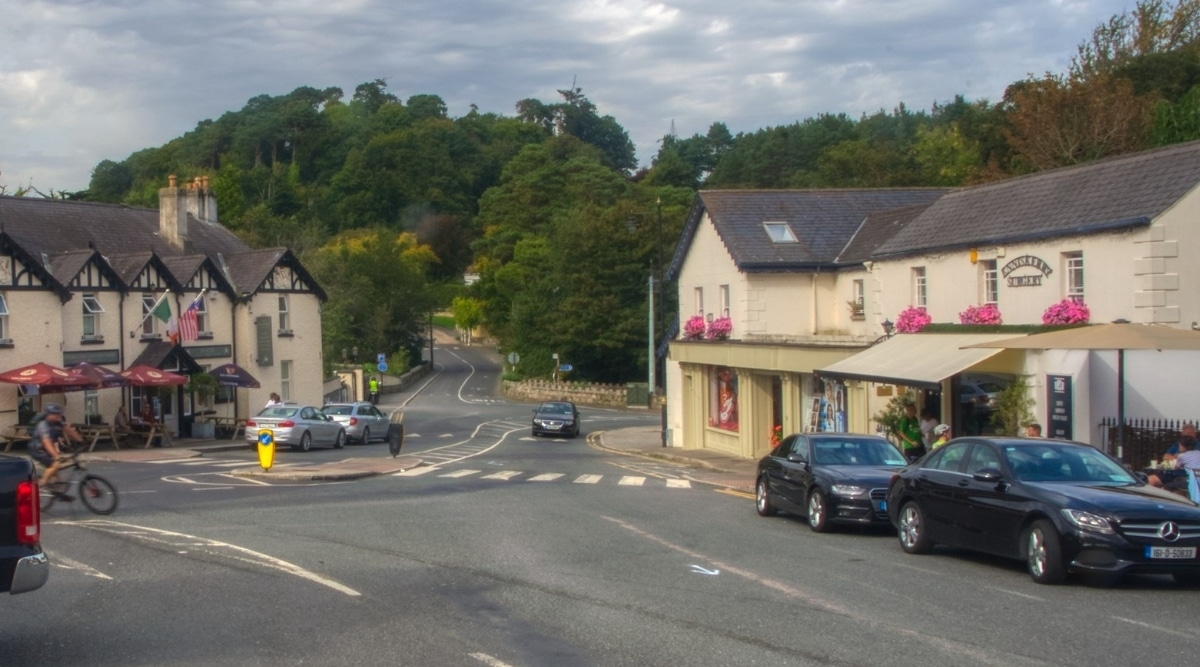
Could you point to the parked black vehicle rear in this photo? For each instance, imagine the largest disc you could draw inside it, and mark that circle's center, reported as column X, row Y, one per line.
column 23, row 565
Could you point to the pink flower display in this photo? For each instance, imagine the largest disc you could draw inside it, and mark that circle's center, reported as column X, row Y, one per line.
column 719, row 329
column 693, row 329
column 985, row 314
column 1067, row 311
column 912, row 320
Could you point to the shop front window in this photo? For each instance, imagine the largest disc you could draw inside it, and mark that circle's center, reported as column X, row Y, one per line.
column 827, row 407
column 723, row 398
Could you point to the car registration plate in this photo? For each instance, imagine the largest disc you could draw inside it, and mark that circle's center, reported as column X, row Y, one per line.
column 1170, row 552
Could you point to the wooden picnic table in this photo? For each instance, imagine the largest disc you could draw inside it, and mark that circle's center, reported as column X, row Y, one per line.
column 152, row 431
column 238, row 424
column 94, row 433
column 17, row 433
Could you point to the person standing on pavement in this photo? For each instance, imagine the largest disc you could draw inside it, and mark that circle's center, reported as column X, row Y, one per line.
column 909, row 431
column 928, row 423
column 374, row 386
column 274, row 400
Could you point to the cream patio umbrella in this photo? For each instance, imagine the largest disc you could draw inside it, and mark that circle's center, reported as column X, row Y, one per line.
column 1119, row 336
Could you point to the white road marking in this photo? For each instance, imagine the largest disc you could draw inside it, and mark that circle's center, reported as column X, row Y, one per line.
column 68, row 564
column 630, row 480
column 172, row 538
column 415, row 471
column 212, row 488
column 546, row 477
column 588, row 479
column 460, row 473
column 678, row 484
column 446, row 435
column 1018, row 594
column 489, row 660
column 1148, row 626
column 503, row 475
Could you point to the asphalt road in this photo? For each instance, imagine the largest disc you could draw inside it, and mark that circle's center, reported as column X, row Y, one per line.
column 522, row 552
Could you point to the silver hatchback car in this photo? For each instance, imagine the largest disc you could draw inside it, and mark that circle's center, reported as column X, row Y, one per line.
column 362, row 421
column 298, row 426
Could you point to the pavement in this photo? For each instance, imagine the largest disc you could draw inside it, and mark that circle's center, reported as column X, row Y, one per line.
column 707, row 466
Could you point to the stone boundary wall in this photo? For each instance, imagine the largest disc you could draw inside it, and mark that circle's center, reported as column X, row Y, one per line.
column 606, row 395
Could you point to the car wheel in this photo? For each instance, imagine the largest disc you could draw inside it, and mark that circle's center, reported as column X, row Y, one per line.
column 366, row 436
column 1043, row 553
column 818, row 512
column 340, row 441
column 306, row 442
column 762, row 499
column 911, row 529
column 1189, row 579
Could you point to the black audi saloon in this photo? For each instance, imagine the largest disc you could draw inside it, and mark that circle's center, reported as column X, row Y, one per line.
column 1062, row 507
column 829, row 478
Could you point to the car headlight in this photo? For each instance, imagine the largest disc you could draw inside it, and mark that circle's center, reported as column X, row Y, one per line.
column 1088, row 521
column 849, row 490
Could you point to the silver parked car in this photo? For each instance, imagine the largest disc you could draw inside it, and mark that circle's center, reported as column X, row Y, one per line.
column 298, row 426
column 362, row 421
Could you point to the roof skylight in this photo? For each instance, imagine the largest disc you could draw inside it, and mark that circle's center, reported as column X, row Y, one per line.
column 780, row 232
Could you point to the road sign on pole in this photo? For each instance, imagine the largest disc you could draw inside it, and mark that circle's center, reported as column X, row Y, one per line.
column 513, row 358
column 382, row 366
column 381, row 358
column 566, row 368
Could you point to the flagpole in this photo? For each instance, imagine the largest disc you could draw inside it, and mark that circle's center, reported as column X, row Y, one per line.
column 152, row 309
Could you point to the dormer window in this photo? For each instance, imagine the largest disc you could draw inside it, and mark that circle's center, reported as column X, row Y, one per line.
column 780, row 232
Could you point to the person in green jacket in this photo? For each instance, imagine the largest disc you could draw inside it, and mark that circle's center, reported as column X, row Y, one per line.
column 909, row 432
column 374, row 387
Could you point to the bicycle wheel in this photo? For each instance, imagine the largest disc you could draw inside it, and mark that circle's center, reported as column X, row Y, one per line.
column 49, row 495
column 98, row 494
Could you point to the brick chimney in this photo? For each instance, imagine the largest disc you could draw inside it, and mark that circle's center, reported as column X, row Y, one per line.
column 172, row 213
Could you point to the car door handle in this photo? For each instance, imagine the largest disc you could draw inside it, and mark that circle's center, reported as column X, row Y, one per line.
column 963, row 483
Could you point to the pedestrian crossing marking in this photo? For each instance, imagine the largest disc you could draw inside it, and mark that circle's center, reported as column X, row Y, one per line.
column 503, row 475
column 678, row 484
column 588, row 479
column 546, row 477
column 630, row 480
column 460, row 473
column 415, row 471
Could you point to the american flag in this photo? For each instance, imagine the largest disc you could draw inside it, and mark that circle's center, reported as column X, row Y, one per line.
column 188, row 329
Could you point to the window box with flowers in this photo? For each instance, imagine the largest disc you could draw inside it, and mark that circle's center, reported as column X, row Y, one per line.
column 912, row 320
column 719, row 329
column 856, row 310
column 987, row 314
column 693, row 328
column 1067, row 311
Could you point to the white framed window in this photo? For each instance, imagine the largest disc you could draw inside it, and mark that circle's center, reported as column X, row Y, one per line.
column 858, row 297
column 91, row 407
column 920, row 287
column 149, row 321
column 1073, row 262
column 202, row 315
column 780, row 232
column 285, row 380
column 91, row 316
column 3, row 318
column 699, row 301
column 285, row 319
column 991, row 281
column 724, row 294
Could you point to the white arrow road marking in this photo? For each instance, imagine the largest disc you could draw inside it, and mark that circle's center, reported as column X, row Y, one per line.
column 700, row 570
column 214, row 547
column 68, row 564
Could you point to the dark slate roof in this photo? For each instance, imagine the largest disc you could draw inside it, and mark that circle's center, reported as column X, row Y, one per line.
column 876, row 230
column 1120, row 192
column 129, row 265
column 248, row 270
column 66, row 265
column 822, row 220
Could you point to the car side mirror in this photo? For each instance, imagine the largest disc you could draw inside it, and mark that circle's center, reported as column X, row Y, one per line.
column 988, row 475
column 796, row 458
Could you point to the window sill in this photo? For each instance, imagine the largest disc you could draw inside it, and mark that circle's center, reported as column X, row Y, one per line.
column 91, row 340
column 204, row 335
column 858, row 318
column 6, row 343
column 286, row 333
column 149, row 338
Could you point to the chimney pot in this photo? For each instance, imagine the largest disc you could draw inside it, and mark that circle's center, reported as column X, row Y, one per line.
column 171, row 181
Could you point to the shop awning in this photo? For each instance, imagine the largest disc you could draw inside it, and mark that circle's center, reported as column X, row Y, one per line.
column 915, row 360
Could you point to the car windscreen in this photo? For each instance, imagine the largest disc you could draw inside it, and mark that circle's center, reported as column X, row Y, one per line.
column 278, row 412
column 1065, row 463
column 338, row 409
column 560, row 409
column 856, row 451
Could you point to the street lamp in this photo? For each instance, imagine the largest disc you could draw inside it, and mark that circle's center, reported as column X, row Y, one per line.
column 888, row 328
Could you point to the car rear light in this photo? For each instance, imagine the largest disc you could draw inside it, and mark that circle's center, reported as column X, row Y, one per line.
column 29, row 517
column 250, row 423
column 286, row 424
column 354, row 421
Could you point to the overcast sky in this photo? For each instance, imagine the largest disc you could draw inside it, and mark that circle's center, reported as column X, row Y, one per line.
column 86, row 80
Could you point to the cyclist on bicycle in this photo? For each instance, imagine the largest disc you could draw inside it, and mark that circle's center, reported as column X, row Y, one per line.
column 44, row 448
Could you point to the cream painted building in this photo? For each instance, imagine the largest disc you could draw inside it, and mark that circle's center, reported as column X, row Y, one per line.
column 1118, row 235
column 78, row 282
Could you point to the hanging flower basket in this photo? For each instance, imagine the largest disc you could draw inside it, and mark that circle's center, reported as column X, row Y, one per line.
column 719, row 329
column 912, row 320
column 1067, row 311
column 985, row 314
column 693, row 329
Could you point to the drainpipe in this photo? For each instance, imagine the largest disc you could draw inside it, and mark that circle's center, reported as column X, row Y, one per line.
column 813, row 304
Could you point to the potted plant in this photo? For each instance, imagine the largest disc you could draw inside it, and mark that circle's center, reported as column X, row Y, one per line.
column 693, row 328
column 988, row 313
column 1067, row 311
column 856, row 309
column 719, row 329
column 912, row 320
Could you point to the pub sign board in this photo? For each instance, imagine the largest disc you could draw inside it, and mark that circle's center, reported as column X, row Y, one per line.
column 1058, row 407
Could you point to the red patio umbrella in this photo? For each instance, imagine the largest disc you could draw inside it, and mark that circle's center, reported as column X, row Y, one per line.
column 42, row 375
column 145, row 376
column 92, row 375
